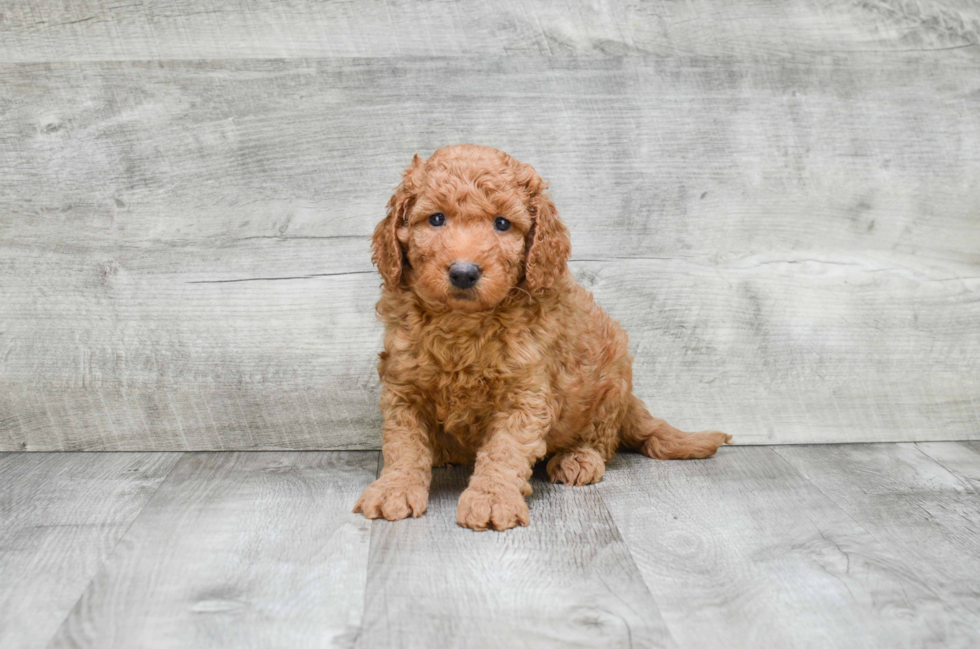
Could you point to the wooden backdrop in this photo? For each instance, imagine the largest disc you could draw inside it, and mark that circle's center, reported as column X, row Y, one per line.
column 780, row 199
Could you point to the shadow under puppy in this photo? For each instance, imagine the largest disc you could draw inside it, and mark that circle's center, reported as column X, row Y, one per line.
column 493, row 354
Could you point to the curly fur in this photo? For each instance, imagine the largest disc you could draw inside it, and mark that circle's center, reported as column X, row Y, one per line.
column 521, row 366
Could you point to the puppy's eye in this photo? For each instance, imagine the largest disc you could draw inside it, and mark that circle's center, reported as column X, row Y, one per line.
column 501, row 224
column 437, row 219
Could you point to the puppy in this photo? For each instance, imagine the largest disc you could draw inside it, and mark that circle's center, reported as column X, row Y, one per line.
column 493, row 354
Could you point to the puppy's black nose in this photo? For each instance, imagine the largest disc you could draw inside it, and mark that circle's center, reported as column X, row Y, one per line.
column 464, row 274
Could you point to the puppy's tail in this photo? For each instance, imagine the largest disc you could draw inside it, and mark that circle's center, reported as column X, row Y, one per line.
column 657, row 439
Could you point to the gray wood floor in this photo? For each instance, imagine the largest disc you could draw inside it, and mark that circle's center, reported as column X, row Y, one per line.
column 832, row 546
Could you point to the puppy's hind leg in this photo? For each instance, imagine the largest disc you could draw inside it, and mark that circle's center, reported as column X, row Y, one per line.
column 577, row 467
column 657, row 439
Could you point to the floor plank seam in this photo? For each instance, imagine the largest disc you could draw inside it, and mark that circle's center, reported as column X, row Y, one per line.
column 115, row 546
column 889, row 546
column 370, row 551
column 829, row 499
column 636, row 567
column 960, row 479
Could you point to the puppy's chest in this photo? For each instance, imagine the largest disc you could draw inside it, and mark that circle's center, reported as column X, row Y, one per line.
column 466, row 378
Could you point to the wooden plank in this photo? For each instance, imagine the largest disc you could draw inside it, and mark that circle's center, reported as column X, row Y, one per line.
column 338, row 415
column 236, row 550
column 60, row 518
column 45, row 30
column 741, row 550
column 962, row 459
column 231, row 163
column 792, row 242
column 715, row 346
column 911, row 502
column 768, row 350
column 566, row 580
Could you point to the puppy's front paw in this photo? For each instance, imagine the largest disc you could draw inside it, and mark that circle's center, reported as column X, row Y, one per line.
column 394, row 497
column 499, row 508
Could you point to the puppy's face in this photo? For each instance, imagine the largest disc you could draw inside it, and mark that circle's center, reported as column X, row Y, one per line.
column 464, row 242
column 468, row 226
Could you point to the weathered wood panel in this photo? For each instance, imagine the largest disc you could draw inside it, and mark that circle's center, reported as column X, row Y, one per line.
column 245, row 353
column 962, row 459
column 910, row 502
column 741, row 550
column 236, row 550
column 852, row 546
column 567, row 580
column 60, row 518
column 165, row 363
column 793, row 242
column 224, row 29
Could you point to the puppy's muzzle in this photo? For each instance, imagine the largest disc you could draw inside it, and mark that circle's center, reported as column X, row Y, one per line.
column 463, row 274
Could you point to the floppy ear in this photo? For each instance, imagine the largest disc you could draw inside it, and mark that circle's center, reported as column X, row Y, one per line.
column 387, row 253
column 548, row 246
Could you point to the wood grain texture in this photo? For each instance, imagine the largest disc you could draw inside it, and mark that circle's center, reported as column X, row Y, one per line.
column 43, row 30
column 792, row 243
column 908, row 500
column 236, row 550
column 743, row 551
column 567, row 580
column 809, row 546
column 962, row 459
column 60, row 518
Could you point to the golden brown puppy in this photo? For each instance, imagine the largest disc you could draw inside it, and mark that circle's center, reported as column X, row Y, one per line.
column 492, row 352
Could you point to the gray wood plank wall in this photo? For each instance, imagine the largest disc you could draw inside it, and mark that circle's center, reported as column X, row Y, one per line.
column 780, row 201
column 44, row 30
